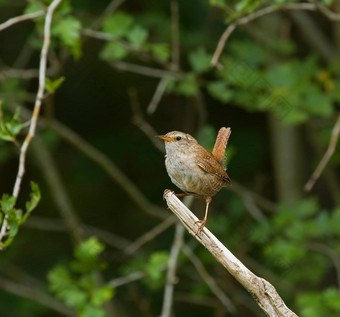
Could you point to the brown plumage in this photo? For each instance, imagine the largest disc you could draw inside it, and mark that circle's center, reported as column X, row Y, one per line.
column 195, row 170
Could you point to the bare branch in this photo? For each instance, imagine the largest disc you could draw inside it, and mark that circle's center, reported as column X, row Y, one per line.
column 19, row 73
column 37, row 106
column 143, row 70
column 171, row 273
column 110, row 167
column 328, row 154
column 264, row 293
column 333, row 16
column 208, row 279
column 21, row 18
column 57, row 190
column 34, row 294
column 150, row 235
column 253, row 16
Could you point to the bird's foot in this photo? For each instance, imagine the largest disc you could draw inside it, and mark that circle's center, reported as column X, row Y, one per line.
column 167, row 191
column 200, row 228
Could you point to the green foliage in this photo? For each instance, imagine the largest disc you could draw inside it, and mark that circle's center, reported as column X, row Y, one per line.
column 130, row 37
column 114, row 50
column 76, row 284
column 294, row 90
column 324, row 303
column 9, row 128
column 199, row 60
column 52, row 85
column 155, row 269
column 15, row 217
column 68, row 31
column 292, row 238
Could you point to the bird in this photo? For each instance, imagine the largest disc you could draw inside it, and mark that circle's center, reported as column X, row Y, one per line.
column 195, row 170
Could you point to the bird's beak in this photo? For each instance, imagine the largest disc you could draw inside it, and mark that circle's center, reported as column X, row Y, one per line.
column 165, row 138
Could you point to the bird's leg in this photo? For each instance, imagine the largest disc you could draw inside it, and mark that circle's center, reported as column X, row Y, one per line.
column 203, row 222
column 177, row 195
column 182, row 195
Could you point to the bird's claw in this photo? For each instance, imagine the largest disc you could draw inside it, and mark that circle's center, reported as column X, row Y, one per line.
column 167, row 191
column 200, row 228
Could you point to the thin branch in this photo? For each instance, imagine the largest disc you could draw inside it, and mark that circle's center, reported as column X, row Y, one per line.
column 110, row 9
column 108, row 165
column 157, row 96
column 37, row 106
column 253, row 16
column 143, row 70
column 171, row 273
column 140, row 122
column 150, row 235
column 227, row 303
column 57, row 190
column 34, row 294
column 328, row 154
column 19, row 73
column 21, row 18
column 333, row 16
column 264, row 293
column 330, row 253
column 109, row 238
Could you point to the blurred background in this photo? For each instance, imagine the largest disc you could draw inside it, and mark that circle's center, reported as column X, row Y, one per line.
column 121, row 72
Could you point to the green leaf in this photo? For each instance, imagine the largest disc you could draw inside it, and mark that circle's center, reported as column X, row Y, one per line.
column 102, row 295
column 200, row 60
column 90, row 248
column 52, row 85
column 34, row 6
column 68, row 30
column 160, row 51
column 35, row 196
column 9, row 129
column 13, row 221
column 137, row 36
column 114, row 50
column 118, row 24
column 220, row 91
column 7, row 203
column 59, row 278
column 91, row 311
column 155, row 264
column 188, row 86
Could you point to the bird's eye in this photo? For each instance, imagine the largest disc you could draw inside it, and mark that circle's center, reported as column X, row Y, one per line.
column 178, row 138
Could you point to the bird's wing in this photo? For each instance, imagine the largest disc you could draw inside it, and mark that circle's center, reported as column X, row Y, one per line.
column 212, row 166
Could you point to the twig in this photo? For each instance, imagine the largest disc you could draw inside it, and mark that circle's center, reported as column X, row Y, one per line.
column 264, row 293
column 37, row 106
column 108, row 165
column 328, row 154
column 171, row 273
column 135, row 276
column 20, row 73
column 253, row 16
column 175, row 52
column 140, row 122
column 330, row 253
column 109, row 238
column 208, row 279
column 143, row 70
column 150, row 235
column 20, row 18
column 157, row 96
column 333, row 16
column 57, row 190
column 34, row 294
column 110, row 9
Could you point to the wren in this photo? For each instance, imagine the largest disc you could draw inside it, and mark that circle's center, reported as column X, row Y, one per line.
column 195, row 170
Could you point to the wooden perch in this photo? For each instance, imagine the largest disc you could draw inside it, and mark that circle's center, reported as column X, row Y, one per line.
column 263, row 292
